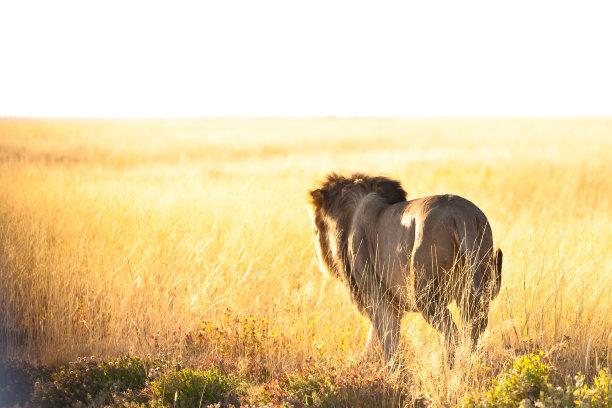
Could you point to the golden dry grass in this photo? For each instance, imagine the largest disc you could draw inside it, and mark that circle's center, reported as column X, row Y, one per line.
column 123, row 236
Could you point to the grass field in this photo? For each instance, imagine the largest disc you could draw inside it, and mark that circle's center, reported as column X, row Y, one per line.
column 191, row 237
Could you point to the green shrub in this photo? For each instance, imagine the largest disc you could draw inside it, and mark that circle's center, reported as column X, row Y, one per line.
column 318, row 387
column 526, row 384
column 88, row 380
column 578, row 394
column 189, row 388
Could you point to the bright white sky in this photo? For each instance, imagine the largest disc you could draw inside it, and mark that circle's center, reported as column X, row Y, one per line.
column 308, row 58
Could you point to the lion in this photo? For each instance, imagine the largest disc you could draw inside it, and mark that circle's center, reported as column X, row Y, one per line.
column 399, row 256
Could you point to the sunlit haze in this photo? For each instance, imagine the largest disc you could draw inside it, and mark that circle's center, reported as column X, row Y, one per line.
column 315, row 58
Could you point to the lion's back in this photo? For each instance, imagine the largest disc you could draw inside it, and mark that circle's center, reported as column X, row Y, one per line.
column 444, row 212
column 431, row 222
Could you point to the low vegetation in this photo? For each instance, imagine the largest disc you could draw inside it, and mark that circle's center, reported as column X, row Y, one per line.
column 158, row 382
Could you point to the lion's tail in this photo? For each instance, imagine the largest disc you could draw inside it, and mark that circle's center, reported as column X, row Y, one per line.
column 497, row 260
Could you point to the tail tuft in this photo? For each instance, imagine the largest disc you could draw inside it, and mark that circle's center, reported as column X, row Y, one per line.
column 497, row 262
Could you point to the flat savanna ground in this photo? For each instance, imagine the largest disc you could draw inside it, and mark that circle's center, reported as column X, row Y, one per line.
column 192, row 237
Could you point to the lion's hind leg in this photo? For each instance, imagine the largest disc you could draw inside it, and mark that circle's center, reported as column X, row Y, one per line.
column 439, row 317
column 431, row 302
column 474, row 313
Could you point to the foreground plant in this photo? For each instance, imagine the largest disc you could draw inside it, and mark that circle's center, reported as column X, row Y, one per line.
column 90, row 381
column 526, row 384
column 192, row 388
column 126, row 381
column 316, row 386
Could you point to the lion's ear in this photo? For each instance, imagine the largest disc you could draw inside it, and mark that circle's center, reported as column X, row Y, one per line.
column 317, row 198
column 390, row 190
